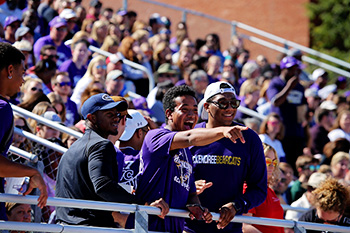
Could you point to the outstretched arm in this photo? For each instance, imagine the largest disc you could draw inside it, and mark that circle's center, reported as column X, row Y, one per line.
column 204, row 136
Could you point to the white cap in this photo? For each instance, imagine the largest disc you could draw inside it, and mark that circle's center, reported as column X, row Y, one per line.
column 328, row 105
column 311, row 92
column 23, row 45
column 316, row 179
column 52, row 116
column 317, row 73
column 114, row 74
column 138, row 121
column 214, row 89
column 68, row 14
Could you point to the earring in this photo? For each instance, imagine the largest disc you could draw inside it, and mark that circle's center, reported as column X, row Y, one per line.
column 9, row 77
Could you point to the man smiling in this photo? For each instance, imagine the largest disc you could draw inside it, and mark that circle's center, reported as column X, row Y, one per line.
column 224, row 166
column 166, row 169
column 89, row 169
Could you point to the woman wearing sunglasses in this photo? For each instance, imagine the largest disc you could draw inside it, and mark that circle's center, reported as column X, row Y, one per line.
column 271, row 208
column 331, row 199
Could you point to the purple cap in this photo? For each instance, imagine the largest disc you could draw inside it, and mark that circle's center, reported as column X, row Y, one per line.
column 122, row 12
column 58, row 22
column 10, row 19
column 141, row 104
column 288, row 62
column 341, row 79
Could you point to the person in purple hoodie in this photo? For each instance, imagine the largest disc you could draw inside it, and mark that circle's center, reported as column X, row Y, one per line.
column 166, row 169
column 58, row 30
column 227, row 166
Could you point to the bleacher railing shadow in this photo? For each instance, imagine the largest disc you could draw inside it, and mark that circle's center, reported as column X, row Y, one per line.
column 139, row 222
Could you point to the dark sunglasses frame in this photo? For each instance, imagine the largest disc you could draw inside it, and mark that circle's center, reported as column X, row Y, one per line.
column 35, row 89
column 61, row 84
column 233, row 103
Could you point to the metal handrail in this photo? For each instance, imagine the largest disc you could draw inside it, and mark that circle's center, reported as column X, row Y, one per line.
column 24, row 154
column 45, row 121
column 109, row 206
column 304, row 58
column 151, row 82
column 256, row 31
column 40, row 140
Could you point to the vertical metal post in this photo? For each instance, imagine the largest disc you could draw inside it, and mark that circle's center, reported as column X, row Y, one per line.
column 233, row 28
column 298, row 229
column 125, row 5
column 184, row 16
column 141, row 221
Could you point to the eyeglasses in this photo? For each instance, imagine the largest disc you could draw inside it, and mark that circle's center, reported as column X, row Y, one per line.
column 36, row 89
column 225, row 104
column 101, row 67
column 270, row 161
column 64, row 84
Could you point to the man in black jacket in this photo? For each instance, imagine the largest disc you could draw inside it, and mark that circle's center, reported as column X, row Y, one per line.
column 89, row 169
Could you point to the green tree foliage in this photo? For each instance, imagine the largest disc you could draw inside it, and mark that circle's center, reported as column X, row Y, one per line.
column 330, row 27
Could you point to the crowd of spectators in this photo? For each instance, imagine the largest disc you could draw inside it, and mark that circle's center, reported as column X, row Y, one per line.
column 306, row 116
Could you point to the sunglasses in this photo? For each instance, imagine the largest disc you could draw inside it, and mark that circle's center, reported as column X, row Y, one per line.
column 166, row 75
column 52, row 57
column 63, row 29
column 273, row 123
column 64, row 84
column 101, row 67
column 332, row 222
column 225, row 104
column 312, row 167
column 36, row 89
column 22, row 127
column 270, row 161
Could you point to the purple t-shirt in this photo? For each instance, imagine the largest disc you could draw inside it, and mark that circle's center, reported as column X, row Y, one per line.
column 6, row 130
column 228, row 165
column 131, row 167
column 288, row 110
column 75, row 74
column 6, row 126
column 165, row 174
column 63, row 52
column 72, row 115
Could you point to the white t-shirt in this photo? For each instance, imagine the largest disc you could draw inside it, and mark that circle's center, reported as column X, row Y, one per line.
column 338, row 133
column 276, row 144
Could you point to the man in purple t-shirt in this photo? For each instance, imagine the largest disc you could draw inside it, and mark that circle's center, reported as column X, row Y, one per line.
column 58, row 30
column 166, row 169
column 77, row 65
column 61, row 85
column 288, row 100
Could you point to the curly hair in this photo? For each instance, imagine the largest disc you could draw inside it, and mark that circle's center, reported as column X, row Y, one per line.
column 331, row 196
column 173, row 93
